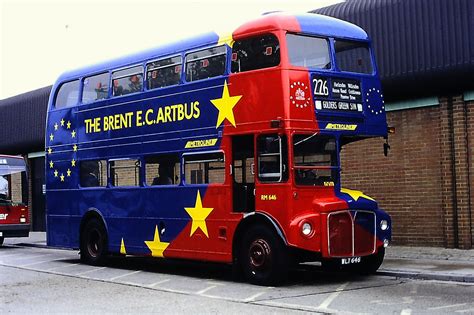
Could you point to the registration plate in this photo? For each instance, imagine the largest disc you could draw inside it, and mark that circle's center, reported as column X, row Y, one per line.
column 351, row 260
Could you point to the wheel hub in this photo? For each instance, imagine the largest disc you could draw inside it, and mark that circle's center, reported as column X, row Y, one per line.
column 260, row 254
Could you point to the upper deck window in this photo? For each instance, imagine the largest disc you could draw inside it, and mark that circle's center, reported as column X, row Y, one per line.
column 353, row 56
column 206, row 63
column 68, row 94
column 127, row 81
column 95, row 88
column 306, row 51
column 164, row 72
column 255, row 53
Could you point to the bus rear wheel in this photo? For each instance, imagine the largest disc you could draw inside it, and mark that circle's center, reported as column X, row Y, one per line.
column 263, row 257
column 94, row 243
column 1, row 240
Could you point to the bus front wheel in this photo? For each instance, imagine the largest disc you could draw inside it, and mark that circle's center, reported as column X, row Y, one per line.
column 1, row 240
column 94, row 243
column 263, row 256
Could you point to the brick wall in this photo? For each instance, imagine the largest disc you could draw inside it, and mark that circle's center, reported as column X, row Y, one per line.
column 427, row 195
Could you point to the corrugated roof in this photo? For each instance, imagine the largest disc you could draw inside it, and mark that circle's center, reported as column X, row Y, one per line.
column 422, row 46
column 23, row 119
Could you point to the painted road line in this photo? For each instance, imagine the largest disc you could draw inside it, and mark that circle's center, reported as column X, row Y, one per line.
column 124, row 275
column 333, row 296
column 206, row 289
column 447, row 306
column 60, row 267
column 158, row 282
column 42, row 262
column 406, row 312
column 89, row 271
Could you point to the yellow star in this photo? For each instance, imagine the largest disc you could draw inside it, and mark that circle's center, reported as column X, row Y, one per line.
column 73, row 163
column 225, row 39
column 68, row 173
column 122, row 248
column 74, row 148
column 355, row 194
column 55, row 173
column 225, row 105
column 50, row 150
column 62, row 122
column 73, row 133
column 156, row 246
column 56, row 126
column 199, row 214
column 62, row 177
column 68, row 125
column 51, row 164
column 51, row 137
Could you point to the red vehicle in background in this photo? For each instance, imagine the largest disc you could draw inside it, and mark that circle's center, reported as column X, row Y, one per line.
column 14, row 217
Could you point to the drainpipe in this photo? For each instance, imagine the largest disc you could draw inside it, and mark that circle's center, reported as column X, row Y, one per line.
column 468, row 158
column 453, row 172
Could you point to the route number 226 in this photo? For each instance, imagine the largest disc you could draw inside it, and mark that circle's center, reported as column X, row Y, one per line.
column 321, row 87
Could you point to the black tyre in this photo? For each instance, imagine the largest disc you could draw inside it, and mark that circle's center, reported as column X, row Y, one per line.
column 263, row 256
column 370, row 264
column 94, row 243
column 1, row 240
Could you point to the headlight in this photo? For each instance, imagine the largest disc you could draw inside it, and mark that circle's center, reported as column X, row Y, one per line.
column 384, row 225
column 385, row 243
column 306, row 229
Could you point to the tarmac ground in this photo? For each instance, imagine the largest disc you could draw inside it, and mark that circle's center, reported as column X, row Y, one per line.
column 427, row 263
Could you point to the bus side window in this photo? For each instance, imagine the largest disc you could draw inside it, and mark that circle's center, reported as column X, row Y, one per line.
column 127, row 81
column 164, row 72
column 93, row 173
column 255, row 53
column 68, row 94
column 95, row 88
column 125, row 172
column 162, row 170
column 206, row 63
column 205, row 168
column 272, row 158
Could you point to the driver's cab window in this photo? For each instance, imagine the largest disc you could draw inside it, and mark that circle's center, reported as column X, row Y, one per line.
column 272, row 158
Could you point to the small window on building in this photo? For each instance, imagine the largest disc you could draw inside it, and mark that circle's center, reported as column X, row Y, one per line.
column 162, row 170
column 206, row 63
column 127, row 81
column 68, row 94
column 95, row 88
column 125, row 172
column 255, row 53
column 353, row 56
column 310, row 52
column 164, row 72
column 206, row 168
column 272, row 158
column 93, row 173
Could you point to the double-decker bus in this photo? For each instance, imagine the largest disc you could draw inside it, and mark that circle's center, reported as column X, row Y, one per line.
column 14, row 215
column 220, row 148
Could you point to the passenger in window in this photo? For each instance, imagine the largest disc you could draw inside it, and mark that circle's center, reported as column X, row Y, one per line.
column 3, row 188
column 165, row 174
column 118, row 89
column 135, row 84
column 89, row 174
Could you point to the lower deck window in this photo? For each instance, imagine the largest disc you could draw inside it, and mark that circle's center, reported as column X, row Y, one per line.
column 162, row 170
column 93, row 173
column 125, row 172
column 204, row 168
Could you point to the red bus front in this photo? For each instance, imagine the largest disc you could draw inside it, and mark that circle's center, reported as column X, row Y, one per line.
column 14, row 218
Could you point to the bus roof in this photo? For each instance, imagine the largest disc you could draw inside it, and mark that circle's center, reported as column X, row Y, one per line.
column 306, row 23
